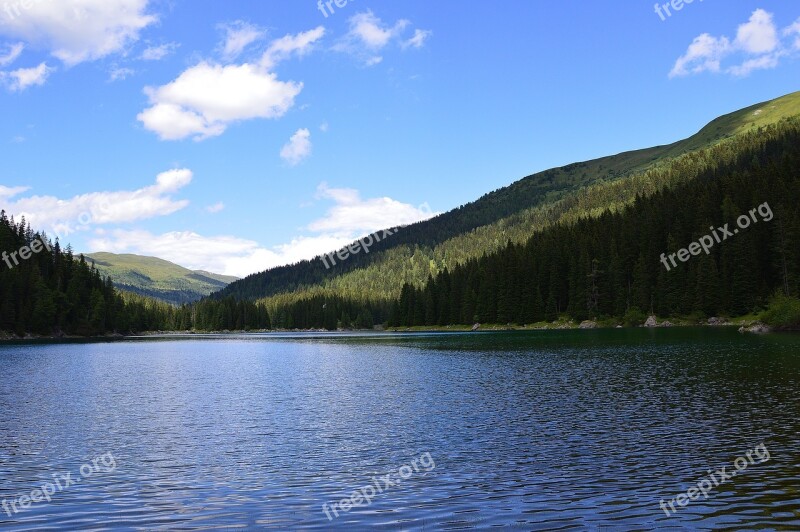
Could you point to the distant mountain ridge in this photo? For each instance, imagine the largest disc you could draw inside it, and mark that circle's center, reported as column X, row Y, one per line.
column 158, row 278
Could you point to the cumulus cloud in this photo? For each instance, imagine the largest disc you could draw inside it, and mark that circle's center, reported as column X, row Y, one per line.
column 65, row 216
column 75, row 31
column 368, row 35
column 12, row 53
column 205, row 99
column 350, row 218
column 238, row 36
column 704, row 54
column 759, row 35
column 757, row 46
column 217, row 207
column 298, row 148
column 23, row 78
column 353, row 215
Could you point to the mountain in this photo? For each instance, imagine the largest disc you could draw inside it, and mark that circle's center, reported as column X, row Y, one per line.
column 712, row 233
column 511, row 214
column 721, row 238
column 157, row 278
column 54, row 293
column 590, row 241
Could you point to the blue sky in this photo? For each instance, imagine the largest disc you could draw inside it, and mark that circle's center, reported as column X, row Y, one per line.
column 235, row 136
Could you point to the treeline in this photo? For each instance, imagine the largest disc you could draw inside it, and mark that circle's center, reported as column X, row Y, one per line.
column 610, row 265
column 228, row 314
column 331, row 313
column 46, row 290
column 148, row 314
column 50, row 292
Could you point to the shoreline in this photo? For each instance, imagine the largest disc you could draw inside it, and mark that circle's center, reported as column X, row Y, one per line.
column 745, row 325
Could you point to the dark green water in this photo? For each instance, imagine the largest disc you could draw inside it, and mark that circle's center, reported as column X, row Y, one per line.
column 538, row 430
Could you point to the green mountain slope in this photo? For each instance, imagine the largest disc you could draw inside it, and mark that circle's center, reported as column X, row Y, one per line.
column 512, row 213
column 647, row 258
column 157, row 278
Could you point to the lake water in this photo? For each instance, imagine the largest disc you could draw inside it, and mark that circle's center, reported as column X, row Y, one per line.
column 535, row 430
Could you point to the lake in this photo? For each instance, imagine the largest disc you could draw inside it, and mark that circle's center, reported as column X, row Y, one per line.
column 523, row 430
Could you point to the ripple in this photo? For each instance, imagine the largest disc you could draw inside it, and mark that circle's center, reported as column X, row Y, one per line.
column 533, row 431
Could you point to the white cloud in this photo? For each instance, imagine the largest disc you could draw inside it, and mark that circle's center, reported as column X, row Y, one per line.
column 9, row 192
column 704, row 54
column 794, row 31
column 12, row 53
column 368, row 35
column 298, row 148
column 120, row 74
column 349, row 219
column 289, row 45
column 75, row 31
column 370, row 31
column 238, row 36
column 759, row 35
column 418, row 40
column 64, row 216
column 352, row 215
column 157, row 53
column 324, row 127
column 764, row 62
column 217, row 207
column 757, row 46
column 23, row 78
column 205, row 99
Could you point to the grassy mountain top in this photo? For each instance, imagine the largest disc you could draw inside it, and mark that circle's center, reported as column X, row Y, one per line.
column 514, row 213
column 158, row 278
column 739, row 122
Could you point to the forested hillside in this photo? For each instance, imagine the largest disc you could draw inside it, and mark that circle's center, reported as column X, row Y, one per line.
column 45, row 290
column 51, row 292
column 514, row 213
column 582, row 251
column 612, row 264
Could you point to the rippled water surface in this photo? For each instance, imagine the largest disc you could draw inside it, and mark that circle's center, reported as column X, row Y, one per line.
column 540, row 430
